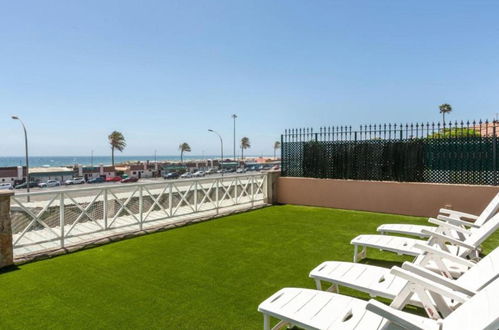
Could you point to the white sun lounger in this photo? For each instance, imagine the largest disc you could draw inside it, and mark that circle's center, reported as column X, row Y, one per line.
column 449, row 217
column 406, row 246
column 378, row 282
column 313, row 309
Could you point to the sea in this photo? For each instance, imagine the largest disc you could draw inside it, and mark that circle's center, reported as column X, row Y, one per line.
column 54, row 161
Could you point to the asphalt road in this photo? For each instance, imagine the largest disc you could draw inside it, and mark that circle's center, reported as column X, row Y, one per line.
column 78, row 191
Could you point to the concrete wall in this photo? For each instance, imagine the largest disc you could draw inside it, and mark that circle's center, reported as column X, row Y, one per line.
column 418, row 199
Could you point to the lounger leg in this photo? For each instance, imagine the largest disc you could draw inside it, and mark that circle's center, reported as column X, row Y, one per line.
column 266, row 322
column 334, row 288
column 281, row 325
column 318, row 284
column 357, row 256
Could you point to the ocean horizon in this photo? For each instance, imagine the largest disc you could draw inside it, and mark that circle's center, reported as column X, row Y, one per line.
column 54, row 161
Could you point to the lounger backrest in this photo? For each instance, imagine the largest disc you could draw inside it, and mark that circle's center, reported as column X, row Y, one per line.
column 480, row 312
column 489, row 211
column 480, row 275
column 481, row 234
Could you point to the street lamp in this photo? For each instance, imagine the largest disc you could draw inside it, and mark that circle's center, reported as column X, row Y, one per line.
column 234, row 116
column 26, row 148
column 221, row 149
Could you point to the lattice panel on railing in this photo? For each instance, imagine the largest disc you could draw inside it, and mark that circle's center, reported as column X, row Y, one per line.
column 452, row 153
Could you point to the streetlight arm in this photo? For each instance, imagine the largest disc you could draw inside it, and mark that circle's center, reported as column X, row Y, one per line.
column 26, row 148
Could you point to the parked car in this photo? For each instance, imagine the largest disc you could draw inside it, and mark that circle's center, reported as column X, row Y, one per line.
column 77, row 180
column 186, row 175
column 210, row 171
column 171, row 175
column 130, row 179
column 198, row 174
column 241, row 170
column 6, row 186
column 49, row 183
column 96, row 180
column 24, row 185
column 114, row 179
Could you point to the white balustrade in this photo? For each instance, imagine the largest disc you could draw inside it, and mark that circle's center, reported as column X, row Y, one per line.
column 64, row 217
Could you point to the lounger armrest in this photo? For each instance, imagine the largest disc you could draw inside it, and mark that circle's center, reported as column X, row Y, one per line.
column 429, row 285
column 418, row 270
column 457, row 222
column 441, row 223
column 454, row 213
column 393, row 315
column 443, row 254
column 448, row 239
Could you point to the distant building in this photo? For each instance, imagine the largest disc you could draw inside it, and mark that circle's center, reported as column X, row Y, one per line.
column 141, row 170
column 12, row 174
column 488, row 129
column 41, row 174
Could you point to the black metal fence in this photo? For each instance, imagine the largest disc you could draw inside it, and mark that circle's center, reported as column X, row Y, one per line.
column 464, row 152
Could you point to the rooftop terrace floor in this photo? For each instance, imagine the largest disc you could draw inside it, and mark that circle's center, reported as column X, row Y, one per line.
column 211, row 275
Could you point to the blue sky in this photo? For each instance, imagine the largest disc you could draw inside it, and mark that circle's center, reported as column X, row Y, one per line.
column 163, row 72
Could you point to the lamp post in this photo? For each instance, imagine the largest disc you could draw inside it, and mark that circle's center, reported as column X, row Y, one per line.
column 26, row 148
column 234, row 116
column 221, row 149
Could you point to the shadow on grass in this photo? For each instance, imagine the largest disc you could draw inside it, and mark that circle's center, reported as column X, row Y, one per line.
column 9, row 269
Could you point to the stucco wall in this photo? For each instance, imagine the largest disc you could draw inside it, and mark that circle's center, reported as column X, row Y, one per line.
column 419, row 199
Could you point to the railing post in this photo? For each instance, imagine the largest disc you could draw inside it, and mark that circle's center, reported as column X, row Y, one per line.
column 195, row 196
column 141, row 207
column 61, row 217
column 105, row 208
column 6, row 246
column 270, row 187
column 217, row 202
column 235, row 190
column 170, row 199
column 252, row 180
column 494, row 154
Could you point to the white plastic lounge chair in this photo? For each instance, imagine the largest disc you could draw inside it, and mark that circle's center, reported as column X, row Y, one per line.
column 378, row 282
column 449, row 217
column 313, row 309
column 469, row 247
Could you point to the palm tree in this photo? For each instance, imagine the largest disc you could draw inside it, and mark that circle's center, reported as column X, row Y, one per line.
column 445, row 108
column 277, row 145
column 183, row 147
column 245, row 144
column 117, row 141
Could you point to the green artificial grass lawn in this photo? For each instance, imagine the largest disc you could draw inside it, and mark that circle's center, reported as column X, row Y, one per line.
column 209, row 275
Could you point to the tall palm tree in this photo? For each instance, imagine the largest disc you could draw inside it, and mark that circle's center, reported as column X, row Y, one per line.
column 245, row 144
column 117, row 141
column 183, row 147
column 277, row 145
column 445, row 108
